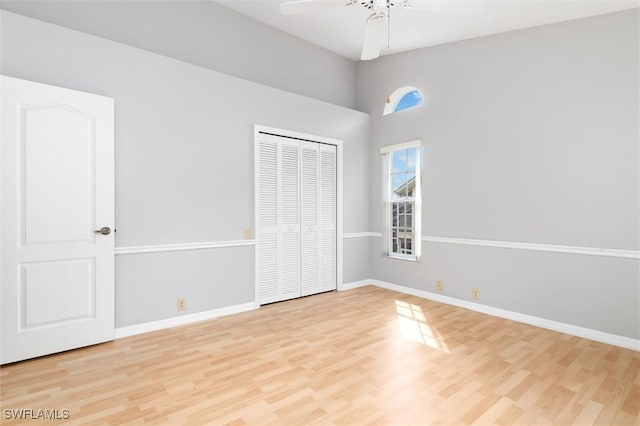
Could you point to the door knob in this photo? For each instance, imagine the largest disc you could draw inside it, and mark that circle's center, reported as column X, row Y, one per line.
column 105, row 230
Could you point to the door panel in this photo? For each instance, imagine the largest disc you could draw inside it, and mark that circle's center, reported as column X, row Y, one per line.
column 327, row 226
column 289, row 220
column 309, row 264
column 267, row 235
column 57, row 189
column 327, row 259
column 309, row 206
column 58, row 202
column 70, row 299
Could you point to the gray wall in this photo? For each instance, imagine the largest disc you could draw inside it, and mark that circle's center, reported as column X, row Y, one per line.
column 529, row 136
column 207, row 34
column 184, row 161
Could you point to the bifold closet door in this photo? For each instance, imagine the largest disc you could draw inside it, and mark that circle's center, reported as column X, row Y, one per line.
column 278, row 227
column 327, row 228
column 310, row 215
column 289, row 220
column 318, row 214
column 295, row 218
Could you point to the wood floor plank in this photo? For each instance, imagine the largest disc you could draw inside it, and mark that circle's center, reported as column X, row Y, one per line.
column 365, row 356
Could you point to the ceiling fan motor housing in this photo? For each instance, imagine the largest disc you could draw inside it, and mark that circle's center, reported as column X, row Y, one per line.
column 377, row 5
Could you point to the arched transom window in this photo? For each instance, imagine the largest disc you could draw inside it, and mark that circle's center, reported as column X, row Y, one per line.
column 403, row 98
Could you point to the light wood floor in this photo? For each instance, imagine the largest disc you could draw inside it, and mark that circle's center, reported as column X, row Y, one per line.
column 365, row 356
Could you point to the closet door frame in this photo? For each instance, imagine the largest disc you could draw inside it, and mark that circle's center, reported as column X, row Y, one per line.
column 258, row 129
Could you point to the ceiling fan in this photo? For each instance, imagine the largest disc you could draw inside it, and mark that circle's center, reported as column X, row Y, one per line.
column 374, row 33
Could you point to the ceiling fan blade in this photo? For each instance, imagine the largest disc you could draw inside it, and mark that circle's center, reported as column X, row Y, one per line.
column 457, row 7
column 373, row 36
column 305, row 6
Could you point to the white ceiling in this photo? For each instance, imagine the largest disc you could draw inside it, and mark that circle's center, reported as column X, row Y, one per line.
column 340, row 29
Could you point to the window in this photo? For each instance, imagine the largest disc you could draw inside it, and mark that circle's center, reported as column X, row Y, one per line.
column 403, row 98
column 402, row 164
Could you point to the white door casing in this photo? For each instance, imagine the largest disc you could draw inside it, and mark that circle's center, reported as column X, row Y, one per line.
column 56, row 190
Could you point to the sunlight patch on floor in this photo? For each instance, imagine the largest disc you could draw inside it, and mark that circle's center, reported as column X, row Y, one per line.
column 414, row 326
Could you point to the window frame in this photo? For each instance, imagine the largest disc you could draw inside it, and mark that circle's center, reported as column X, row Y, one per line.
column 416, row 240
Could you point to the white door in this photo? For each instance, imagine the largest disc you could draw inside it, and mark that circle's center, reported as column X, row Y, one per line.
column 327, row 226
column 277, row 218
column 56, row 192
column 267, row 235
column 289, row 220
column 309, row 248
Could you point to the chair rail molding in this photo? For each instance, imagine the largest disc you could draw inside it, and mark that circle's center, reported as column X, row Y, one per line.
column 589, row 251
column 156, row 248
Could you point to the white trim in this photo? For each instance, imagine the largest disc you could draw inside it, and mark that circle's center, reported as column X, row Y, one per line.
column 361, row 234
column 591, row 251
column 574, row 330
column 258, row 128
column 404, row 145
column 182, row 246
column 339, row 214
column 256, row 214
column 147, row 327
column 354, row 284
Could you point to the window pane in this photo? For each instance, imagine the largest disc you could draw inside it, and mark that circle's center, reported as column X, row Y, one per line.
column 399, row 185
column 409, row 100
column 399, row 161
column 411, row 184
column 411, row 159
column 403, row 221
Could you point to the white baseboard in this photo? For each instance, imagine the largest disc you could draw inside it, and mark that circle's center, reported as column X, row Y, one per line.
column 147, row 327
column 574, row 330
column 354, row 284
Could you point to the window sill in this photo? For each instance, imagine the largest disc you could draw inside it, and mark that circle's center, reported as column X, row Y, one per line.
column 400, row 257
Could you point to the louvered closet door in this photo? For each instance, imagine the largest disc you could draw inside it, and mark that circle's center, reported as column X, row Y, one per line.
column 327, row 228
column 295, row 218
column 309, row 174
column 267, row 231
column 289, row 167
column 278, row 223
